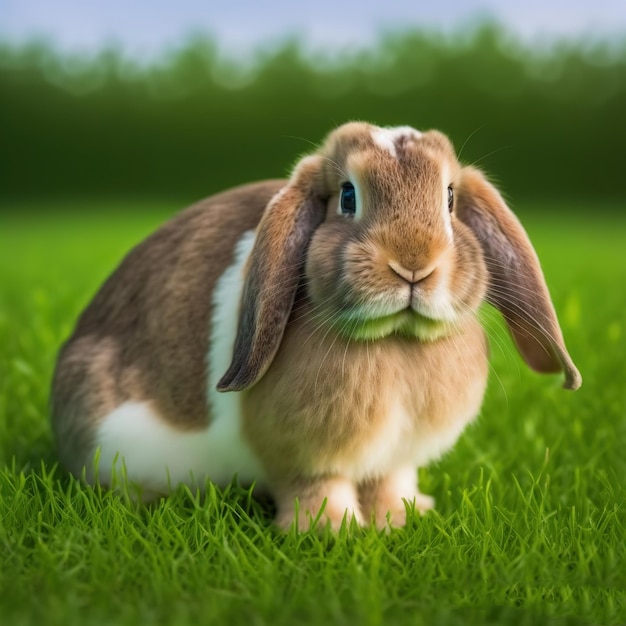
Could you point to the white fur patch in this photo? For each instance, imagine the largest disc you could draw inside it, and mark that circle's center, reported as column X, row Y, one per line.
column 436, row 303
column 385, row 451
column 386, row 137
column 342, row 496
column 439, row 303
column 435, row 442
column 404, row 482
column 225, row 407
column 157, row 455
column 400, row 449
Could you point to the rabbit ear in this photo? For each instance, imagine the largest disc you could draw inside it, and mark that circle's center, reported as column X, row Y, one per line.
column 274, row 270
column 516, row 283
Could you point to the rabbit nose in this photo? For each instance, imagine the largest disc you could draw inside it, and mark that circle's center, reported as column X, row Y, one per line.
column 411, row 276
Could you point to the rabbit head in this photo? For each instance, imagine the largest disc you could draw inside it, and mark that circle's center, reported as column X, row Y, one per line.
column 389, row 234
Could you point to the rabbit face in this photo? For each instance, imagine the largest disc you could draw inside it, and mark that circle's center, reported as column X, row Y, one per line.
column 391, row 257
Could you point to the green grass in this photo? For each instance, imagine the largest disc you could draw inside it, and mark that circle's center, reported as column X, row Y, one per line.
column 530, row 525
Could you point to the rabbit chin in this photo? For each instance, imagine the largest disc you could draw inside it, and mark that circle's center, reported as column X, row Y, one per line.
column 405, row 323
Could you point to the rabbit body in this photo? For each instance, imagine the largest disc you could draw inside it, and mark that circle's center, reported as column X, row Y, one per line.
column 152, row 408
column 338, row 308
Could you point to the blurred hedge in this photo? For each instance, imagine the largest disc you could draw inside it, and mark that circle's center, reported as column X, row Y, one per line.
column 546, row 123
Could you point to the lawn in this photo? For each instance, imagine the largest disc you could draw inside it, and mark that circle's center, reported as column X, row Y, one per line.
column 530, row 525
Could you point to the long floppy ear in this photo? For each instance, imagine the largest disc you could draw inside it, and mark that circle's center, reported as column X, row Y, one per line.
column 274, row 268
column 516, row 283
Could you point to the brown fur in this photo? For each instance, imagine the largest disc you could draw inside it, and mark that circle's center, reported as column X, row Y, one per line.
column 273, row 275
column 516, row 285
column 330, row 413
column 145, row 334
column 325, row 399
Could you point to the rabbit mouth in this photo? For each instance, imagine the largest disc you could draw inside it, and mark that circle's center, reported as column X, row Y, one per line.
column 405, row 323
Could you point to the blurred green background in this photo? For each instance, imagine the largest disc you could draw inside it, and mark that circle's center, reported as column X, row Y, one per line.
column 547, row 122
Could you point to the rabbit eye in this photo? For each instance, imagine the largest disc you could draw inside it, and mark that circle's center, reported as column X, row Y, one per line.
column 348, row 199
column 450, row 198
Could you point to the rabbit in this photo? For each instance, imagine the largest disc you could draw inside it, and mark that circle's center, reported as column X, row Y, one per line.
column 317, row 337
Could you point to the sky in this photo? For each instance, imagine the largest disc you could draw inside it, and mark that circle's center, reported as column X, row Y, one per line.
column 145, row 28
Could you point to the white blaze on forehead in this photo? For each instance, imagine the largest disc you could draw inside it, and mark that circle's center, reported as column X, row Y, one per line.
column 447, row 218
column 386, row 138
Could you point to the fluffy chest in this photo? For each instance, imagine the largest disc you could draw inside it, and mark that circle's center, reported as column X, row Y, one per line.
column 362, row 410
column 403, row 435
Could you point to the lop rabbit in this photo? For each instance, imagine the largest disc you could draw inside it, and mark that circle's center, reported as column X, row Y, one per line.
column 318, row 336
